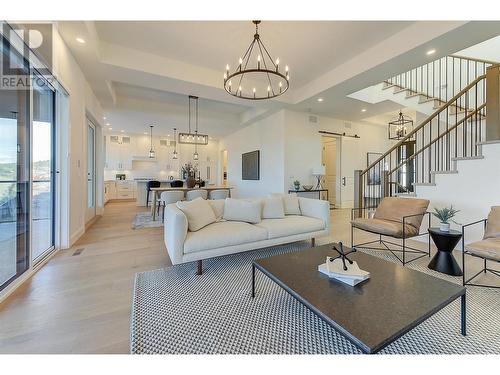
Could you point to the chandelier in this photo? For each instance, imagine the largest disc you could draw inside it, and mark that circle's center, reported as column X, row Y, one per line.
column 400, row 127
column 257, row 75
column 193, row 138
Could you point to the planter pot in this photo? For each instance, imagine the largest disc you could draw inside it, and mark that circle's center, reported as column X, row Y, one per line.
column 297, row 187
column 190, row 182
column 445, row 227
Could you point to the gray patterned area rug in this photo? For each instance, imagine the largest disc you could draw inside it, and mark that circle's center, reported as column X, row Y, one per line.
column 175, row 311
column 145, row 220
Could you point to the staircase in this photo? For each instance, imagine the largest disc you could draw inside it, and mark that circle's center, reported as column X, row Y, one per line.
column 452, row 92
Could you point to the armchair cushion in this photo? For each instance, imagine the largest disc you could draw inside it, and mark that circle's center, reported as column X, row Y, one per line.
column 394, row 209
column 488, row 249
column 493, row 224
column 385, row 227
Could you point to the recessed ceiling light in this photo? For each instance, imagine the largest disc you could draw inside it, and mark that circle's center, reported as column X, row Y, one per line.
column 104, row 117
column 363, row 110
column 110, row 128
column 108, row 124
column 168, row 135
column 122, row 131
column 431, row 52
column 80, row 40
column 319, row 99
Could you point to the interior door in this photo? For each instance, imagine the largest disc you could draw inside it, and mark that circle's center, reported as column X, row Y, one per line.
column 349, row 162
column 329, row 157
column 91, row 188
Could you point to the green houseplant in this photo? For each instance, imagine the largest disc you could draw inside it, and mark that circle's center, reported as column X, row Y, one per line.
column 296, row 184
column 445, row 215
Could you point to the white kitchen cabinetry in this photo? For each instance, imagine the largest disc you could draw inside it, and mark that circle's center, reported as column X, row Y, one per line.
column 119, row 190
column 109, row 191
column 119, row 152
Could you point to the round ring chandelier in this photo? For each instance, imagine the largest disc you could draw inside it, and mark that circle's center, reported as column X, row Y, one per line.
column 258, row 75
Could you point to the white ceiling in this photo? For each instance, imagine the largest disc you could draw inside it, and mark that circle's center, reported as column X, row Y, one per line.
column 142, row 72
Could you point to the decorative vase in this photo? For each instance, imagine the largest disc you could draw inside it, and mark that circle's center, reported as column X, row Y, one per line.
column 297, row 187
column 444, row 227
column 190, row 182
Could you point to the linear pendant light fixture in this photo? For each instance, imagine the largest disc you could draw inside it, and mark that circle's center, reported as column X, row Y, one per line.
column 257, row 66
column 193, row 138
column 151, row 150
column 174, row 154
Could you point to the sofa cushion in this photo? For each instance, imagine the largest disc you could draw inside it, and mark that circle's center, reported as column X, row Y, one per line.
column 394, row 208
column 222, row 234
column 272, row 208
column 242, row 210
column 218, row 207
column 290, row 203
column 198, row 212
column 493, row 224
column 489, row 248
column 385, row 227
column 290, row 225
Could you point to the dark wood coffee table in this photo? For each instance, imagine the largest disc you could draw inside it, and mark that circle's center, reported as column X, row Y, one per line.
column 372, row 314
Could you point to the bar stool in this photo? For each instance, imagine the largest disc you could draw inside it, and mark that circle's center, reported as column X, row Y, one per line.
column 149, row 185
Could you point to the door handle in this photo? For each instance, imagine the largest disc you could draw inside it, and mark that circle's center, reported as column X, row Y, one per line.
column 343, row 181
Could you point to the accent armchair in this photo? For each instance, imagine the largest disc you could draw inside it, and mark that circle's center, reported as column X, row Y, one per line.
column 395, row 217
column 488, row 249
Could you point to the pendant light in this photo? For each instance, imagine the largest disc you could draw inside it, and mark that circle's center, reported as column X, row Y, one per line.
column 174, row 154
column 195, row 155
column 151, row 150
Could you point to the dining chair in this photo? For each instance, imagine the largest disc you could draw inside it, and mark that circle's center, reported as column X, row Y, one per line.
column 219, row 194
column 193, row 194
column 168, row 197
column 177, row 183
column 149, row 185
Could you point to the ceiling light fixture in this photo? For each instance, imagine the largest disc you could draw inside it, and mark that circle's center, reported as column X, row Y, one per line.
column 363, row 110
column 174, row 154
column 193, row 138
column 319, row 99
column 400, row 127
column 80, row 40
column 151, row 150
column 431, row 52
column 265, row 70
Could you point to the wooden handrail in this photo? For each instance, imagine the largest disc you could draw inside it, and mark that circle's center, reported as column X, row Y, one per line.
column 425, row 122
column 474, row 59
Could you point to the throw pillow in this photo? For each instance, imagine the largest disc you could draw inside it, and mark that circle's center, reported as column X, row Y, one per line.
column 218, row 207
column 242, row 210
column 198, row 212
column 493, row 223
column 272, row 208
column 290, row 202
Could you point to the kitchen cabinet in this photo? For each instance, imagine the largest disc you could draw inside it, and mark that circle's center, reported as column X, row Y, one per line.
column 119, row 189
column 109, row 191
column 119, row 151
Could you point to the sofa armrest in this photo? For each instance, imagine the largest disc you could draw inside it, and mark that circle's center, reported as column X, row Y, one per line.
column 316, row 208
column 175, row 231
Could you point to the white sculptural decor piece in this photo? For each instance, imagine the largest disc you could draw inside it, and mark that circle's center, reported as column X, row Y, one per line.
column 342, row 268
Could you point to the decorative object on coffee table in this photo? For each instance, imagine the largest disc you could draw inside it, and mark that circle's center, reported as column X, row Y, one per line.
column 296, row 184
column 444, row 261
column 342, row 268
column 189, row 172
column 307, row 187
column 445, row 215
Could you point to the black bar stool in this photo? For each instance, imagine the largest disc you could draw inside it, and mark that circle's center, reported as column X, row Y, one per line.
column 149, row 185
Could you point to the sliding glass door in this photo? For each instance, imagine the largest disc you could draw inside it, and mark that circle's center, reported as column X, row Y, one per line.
column 14, row 172
column 43, row 131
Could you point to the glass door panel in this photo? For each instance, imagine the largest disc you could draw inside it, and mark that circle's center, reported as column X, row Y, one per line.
column 14, row 173
column 43, row 169
column 90, row 169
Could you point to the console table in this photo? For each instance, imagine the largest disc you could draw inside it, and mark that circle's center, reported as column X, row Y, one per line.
column 319, row 191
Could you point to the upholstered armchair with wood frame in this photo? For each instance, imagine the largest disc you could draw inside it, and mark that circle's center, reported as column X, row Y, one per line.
column 488, row 249
column 395, row 217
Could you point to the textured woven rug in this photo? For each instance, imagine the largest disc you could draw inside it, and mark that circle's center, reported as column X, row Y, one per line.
column 145, row 220
column 175, row 311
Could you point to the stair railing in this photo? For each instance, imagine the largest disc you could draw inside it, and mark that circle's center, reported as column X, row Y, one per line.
column 442, row 78
column 454, row 131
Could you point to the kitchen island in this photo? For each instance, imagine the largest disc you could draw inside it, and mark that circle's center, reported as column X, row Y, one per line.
column 141, row 191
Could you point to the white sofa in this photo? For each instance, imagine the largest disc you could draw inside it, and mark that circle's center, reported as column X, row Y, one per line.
column 229, row 237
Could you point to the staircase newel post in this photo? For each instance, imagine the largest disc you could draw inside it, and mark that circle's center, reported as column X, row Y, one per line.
column 358, row 191
column 385, row 184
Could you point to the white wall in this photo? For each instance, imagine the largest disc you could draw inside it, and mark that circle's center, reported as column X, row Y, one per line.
column 81, row 101
column 290, row 147
column 266, row 135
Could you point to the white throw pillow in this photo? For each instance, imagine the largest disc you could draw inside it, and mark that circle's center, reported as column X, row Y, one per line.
column 218, row 207
column 272, row 208
column 242, row 210
column 290, row 203
column 199, row 213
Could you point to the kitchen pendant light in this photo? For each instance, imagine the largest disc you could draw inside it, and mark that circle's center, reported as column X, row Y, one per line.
column 174, row 154
column 151, row 150
column 193, row 138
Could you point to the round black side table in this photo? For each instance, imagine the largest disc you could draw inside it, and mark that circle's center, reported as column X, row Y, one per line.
column 445, row 242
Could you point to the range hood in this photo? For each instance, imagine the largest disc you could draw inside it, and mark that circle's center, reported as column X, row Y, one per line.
column 144, row 158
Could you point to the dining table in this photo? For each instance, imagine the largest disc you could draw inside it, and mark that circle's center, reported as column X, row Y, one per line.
column 157, row 191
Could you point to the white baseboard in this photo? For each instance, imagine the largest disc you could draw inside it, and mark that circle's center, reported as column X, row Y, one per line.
column 76, row 236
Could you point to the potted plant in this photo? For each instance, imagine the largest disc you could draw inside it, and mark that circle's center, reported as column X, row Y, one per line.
column 296, row 184
column 189, row 171
column 445, row 215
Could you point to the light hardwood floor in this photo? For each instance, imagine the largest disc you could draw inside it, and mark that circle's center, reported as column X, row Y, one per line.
column 81, row 303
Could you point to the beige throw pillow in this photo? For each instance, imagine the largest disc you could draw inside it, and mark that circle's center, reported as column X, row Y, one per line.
column 242, row 210
column 290, row 203
column 218, row 207
column 272, row 208
column 493, row 224
column 199, row 213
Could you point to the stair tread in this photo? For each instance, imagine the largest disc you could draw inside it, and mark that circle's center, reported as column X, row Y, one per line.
column 444, row 172
column 468, row 158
